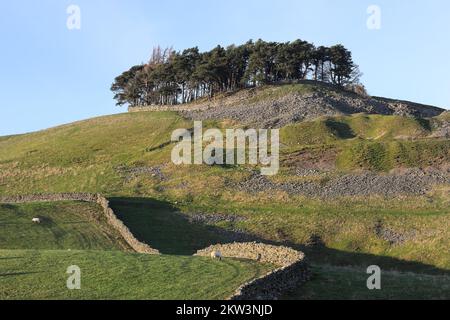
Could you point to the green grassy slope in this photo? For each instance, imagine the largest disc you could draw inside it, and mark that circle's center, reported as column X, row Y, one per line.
column 370, row 142
column 65, row 225
column 394, row 154
column 117, row 275
column 83, row 155
column 365, row 127
column 87, row 156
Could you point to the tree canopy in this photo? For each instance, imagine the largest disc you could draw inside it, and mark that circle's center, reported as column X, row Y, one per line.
column 172, row 77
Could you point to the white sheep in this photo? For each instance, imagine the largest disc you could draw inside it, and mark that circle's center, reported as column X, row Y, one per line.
column 216, row 255
column 36, row 220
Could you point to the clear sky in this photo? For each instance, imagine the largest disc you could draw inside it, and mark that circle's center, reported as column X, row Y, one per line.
column 51, row 75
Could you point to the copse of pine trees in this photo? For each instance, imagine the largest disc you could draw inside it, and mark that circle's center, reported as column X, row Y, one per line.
column 181, row 77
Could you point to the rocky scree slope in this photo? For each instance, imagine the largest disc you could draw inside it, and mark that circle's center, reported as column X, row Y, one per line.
column 278, row 106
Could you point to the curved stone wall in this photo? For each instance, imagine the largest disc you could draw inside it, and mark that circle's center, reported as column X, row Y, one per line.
column 111, row 217
column 292, row 269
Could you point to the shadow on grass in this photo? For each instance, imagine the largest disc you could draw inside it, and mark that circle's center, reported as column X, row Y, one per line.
column 160, row 225
column 340, row 129
column 163, row 227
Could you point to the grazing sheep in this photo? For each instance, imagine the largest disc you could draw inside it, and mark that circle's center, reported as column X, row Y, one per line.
column 36, row 220
column 216, row 255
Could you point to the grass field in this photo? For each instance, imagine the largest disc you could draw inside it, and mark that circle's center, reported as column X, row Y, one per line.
column 35, row 257
column 117, row 275
column 65, row 225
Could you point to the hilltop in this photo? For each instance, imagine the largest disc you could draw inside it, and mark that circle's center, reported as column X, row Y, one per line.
column 276, row 106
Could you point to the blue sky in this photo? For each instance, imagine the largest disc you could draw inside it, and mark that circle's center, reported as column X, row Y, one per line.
column 50, row 75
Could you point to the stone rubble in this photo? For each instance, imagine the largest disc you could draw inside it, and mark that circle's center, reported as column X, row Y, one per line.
column 410, row 182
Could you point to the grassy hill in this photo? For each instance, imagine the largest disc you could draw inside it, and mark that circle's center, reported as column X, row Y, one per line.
column 82, row 156
column 179, row 209
column 93, row 155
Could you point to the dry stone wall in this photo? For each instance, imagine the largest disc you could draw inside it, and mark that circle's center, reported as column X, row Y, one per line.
column 292, row 268
column 176, row 108
column 111, row 217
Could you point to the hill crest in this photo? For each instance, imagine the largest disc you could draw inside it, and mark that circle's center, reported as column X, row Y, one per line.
column 276, row 106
